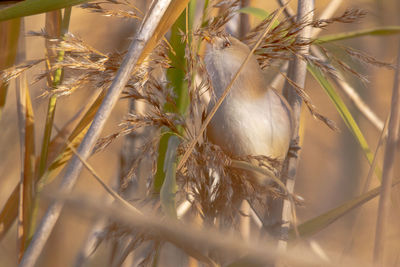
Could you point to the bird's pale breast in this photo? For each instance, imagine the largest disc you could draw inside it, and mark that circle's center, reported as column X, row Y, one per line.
column 253, row 119
column 257, row 127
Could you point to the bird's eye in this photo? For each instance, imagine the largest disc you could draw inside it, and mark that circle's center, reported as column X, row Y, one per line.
column 226, row 44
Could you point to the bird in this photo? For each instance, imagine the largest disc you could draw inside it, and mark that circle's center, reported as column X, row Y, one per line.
column 253, row 119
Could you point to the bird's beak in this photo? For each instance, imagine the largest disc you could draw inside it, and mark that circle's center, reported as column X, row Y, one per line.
column 208, row 39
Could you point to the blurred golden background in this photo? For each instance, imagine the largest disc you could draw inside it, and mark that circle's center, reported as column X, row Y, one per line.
column 332, row 167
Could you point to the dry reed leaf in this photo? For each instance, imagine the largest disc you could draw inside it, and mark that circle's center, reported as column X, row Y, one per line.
column 9, row 212
column 27, row 192
column 173, row 11
column 8, row 50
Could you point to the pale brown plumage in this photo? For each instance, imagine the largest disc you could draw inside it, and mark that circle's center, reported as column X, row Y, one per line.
column 253, row 119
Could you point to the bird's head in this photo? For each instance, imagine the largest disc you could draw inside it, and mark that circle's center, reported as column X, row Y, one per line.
column 227, row 48
column 223, row 58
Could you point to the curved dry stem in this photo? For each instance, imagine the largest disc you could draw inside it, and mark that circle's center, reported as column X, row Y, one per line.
column 191, row 238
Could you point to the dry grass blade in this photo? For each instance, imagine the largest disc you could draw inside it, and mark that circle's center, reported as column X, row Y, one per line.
column 224, row 94
column 27, row 145
column 316, row 224
column 27, row 176
column 376, row 31
column 9, row 212
column 9, row 32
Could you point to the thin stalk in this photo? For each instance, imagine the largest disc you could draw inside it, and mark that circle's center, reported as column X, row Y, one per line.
column 244, row 24
column 296, row 73
column 289, row 13
column 51, row 109
column 388, row 169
